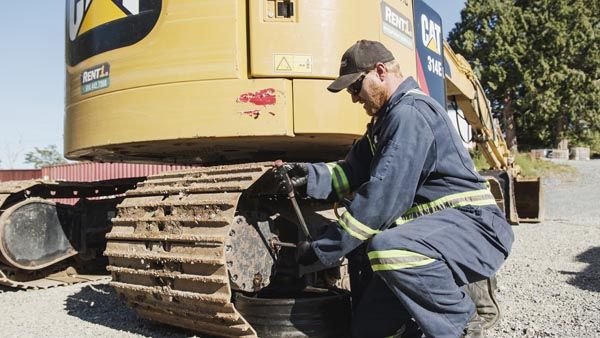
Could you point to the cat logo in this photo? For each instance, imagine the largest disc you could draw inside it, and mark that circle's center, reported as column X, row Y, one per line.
column 85, row 15
column 431, row 34
column 97, row 26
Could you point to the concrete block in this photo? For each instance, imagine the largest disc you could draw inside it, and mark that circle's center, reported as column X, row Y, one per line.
column 559, row 154
column 580, row 153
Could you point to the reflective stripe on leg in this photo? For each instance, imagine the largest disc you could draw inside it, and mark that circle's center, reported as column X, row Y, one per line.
column 397, row 259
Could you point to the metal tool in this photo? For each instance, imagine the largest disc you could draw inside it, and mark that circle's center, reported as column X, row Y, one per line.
column 283, row 244
column 292, row 197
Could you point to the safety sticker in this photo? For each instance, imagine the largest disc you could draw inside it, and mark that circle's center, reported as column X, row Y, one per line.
column 95, row 78
column 292, row 63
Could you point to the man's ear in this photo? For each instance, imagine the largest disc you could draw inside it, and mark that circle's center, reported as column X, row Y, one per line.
column 381, row 71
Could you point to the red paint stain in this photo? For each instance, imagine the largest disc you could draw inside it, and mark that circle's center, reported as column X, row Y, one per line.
column 263, row 97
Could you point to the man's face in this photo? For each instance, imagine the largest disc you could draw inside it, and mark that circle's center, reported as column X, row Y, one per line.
column 369, row 91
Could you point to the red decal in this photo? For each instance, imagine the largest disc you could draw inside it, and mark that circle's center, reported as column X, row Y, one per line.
column 253, row 113
column 263, row 97
column 421, row 76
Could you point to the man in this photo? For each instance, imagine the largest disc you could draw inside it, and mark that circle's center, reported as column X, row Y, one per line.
column 429, row 224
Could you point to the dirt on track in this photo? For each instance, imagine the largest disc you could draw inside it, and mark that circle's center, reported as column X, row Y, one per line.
column 549, row 287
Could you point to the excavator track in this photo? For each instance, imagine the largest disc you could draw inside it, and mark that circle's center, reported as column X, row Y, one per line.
column 168, row 248
column 60, row 277
column 17, row 200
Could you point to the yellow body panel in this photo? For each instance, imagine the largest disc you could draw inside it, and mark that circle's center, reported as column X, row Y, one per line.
column 322, row 112
column 321, row 32
column 184, row 83
column 192, row 41
column 192, row 110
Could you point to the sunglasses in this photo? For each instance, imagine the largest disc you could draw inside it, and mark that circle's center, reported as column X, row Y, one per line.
column 356, row 86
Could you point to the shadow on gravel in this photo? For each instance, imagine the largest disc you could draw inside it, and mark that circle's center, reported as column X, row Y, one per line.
column 99, row 304
column 589, row 278
column 8, row 289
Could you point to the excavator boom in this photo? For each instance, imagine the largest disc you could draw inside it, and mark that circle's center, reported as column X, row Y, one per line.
column 520, row 197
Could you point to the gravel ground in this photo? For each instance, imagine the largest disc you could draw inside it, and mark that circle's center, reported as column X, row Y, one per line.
column 549, row 287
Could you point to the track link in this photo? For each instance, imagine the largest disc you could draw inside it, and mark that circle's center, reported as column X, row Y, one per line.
column 167, row 248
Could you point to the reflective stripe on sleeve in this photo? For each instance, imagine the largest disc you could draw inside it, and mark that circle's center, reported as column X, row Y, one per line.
column 339, row 180
column 397, row 259
column 355, row 228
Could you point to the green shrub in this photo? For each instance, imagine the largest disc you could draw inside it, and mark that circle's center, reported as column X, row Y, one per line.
column 529, row 166
column 538, row 167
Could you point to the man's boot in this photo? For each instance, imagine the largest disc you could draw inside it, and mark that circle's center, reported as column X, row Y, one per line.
column 409, row 329
column 482, row 294
column 474, row 328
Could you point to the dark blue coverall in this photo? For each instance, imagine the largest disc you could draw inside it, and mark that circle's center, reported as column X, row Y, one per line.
column 429, row 221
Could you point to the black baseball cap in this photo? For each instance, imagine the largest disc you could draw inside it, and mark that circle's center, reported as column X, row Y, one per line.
column 361, row 57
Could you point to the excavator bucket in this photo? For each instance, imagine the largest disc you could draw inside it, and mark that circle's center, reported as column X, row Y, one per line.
column 521, row 198
column 529, row 199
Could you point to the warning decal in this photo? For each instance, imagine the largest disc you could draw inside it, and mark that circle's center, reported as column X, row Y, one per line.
column 292, row 63
column 284, row 65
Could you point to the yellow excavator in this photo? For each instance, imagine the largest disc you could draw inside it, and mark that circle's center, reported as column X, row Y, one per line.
column 232, row 85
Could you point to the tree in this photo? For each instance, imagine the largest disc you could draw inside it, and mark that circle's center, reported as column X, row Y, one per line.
column 562, row 63
column 537, row 60
column 42, row 157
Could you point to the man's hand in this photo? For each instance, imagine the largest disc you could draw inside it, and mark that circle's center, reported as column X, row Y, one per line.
column 298, row 172
column 305, row 253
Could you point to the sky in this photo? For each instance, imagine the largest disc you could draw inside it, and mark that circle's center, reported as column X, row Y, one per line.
column 33, row 79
